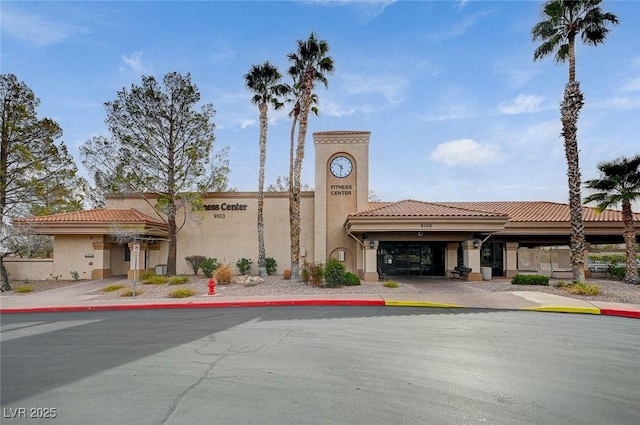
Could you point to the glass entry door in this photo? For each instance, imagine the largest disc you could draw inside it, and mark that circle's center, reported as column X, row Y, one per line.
column 491, row 255
column 412, row 258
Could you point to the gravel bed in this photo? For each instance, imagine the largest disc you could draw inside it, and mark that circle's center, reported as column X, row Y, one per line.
column 273, row 285
column 611, row 290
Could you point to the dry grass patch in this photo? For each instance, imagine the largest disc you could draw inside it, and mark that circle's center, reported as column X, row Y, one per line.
column 579, row 288
column 112, row 288
column 129, row 292
column 25, row 289
column 182, row 293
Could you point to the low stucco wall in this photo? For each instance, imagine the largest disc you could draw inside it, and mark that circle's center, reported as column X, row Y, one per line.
column 21, row 269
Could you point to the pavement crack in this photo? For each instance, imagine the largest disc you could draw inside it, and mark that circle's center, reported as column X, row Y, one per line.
column 231, row 350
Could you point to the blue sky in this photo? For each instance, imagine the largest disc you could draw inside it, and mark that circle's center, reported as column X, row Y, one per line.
column 457, row 108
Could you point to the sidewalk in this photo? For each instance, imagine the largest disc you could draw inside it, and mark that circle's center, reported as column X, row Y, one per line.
column 74, row 298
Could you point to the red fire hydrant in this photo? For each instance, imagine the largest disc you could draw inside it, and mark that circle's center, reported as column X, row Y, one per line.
column 212, row 287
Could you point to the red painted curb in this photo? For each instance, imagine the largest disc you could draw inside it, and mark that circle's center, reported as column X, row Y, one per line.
column 163, row 306
column 634, row 314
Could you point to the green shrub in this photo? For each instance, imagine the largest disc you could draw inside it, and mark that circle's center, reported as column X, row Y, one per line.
column 608, row 258
column 74, row 275
column 244, row 265
column 112, row 288
column 271, row 265
column 55, row 276
column 195, row 262
column 23, row 289
column 155, row 280
column 617, row 272
column 390, row 284
column 178, row 280
column 182, row 293
column 530, row 279
column 351, row 279
column 305, row 274
column 334, row 273
column 209, row 266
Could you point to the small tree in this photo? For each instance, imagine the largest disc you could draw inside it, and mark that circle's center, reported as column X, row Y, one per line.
column 37, row 175
column 161, row 148
column 619, row 183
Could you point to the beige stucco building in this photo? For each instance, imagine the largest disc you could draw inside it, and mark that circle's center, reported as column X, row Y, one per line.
column 405, row 238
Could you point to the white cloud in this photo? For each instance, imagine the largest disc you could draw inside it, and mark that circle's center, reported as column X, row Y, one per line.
column 460, row 4
column 133, row 63
column 465, row 151
column 367, row 9
column 633, row 85
column 458, row 29
column 37, row 29
column 522, row 104
column 391, row 87
column 618, row 103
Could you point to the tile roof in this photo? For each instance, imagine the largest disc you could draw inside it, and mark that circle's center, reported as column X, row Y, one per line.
column 130, row 215
column 517, row 211
column 542, row 211
column 412, row 208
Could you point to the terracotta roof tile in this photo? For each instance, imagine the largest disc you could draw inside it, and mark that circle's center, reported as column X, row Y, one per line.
column 542, row 211
column 412, row 208
column 517, row 211
column 130, row 215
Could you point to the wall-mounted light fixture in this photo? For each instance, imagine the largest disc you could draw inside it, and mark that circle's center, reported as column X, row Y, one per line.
column 476, row 243
column 371, row 243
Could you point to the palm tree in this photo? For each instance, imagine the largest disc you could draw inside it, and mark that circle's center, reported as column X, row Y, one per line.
column 264, row 81
column 563, row 21
column 310, row 64
column 619, row 183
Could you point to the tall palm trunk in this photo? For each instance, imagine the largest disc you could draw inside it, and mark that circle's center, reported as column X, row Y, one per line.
column 295, row 268
column 295, row 213
column 570, row 109
column 262, row 264
column 631, row 275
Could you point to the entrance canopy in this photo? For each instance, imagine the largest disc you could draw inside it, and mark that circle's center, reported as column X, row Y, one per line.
column 417, row 216
column 511, row 220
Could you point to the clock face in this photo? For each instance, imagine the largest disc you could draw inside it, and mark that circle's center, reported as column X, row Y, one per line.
column 341, row 166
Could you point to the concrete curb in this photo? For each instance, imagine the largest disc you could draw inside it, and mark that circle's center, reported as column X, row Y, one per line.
column 618, row 312
column 167, row 306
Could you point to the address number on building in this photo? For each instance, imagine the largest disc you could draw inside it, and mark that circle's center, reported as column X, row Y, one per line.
column 426, row 225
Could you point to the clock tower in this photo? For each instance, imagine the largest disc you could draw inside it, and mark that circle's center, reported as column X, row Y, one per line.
column 341, row 188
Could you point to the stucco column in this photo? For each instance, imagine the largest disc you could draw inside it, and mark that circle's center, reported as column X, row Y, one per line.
column 153, row 255
column 141, row 257
column 471, row 256
column 371, row 261
column 101, row 260
column 511, row 259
